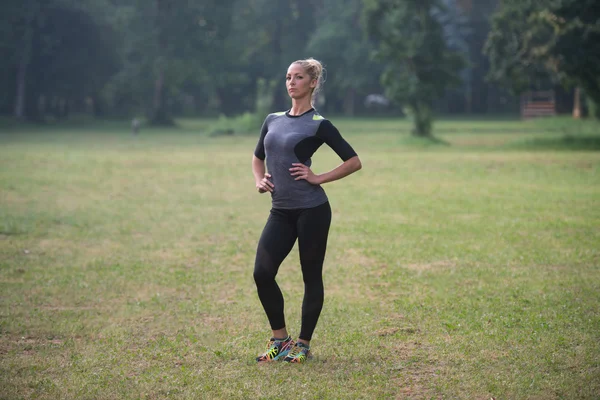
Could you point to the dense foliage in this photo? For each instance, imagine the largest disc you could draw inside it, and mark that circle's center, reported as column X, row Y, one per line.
column 420, row 63
column 533, row 42
column 163, row 58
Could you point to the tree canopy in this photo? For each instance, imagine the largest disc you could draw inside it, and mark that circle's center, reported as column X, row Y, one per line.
column 419, row 62
column 534, row 42
column 166, row 58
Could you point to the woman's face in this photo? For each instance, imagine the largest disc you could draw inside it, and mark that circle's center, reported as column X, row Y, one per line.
column 298, row 82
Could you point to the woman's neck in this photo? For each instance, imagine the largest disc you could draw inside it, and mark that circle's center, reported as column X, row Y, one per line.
column 300, row 107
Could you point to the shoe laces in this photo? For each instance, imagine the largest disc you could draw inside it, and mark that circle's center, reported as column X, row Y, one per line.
column 297, row 350
column 272, row 341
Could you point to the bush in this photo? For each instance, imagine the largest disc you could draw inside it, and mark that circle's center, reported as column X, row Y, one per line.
column 247, row 122
column 242, row 124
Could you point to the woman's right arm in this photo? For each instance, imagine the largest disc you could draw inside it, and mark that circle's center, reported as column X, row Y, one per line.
column 261, row 178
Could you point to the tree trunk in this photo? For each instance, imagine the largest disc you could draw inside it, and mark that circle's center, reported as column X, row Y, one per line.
column 159, row 83
column 577, row 104
column 422, row 119
column 98, row 106
column 160, row 116
column 32, row 106
column 25, row 58
column 349, row 102
column 21, row 83
column 280, row 99
column 468, row 96
column 65, row 108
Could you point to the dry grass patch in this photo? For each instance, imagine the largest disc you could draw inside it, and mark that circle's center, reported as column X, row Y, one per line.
column 434, row 265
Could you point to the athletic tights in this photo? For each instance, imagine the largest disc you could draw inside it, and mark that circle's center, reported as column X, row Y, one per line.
column 311, row 227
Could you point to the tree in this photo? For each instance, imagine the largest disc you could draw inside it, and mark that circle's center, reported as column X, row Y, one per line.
column 476, row 87
column 569, row 45
column 280, row 30
column 55, row 51
column 167, row 45
column 186, row 35
column 340, row 43
column 535, row 42
column 19, row 20
column 507, row 46
column 419, row 64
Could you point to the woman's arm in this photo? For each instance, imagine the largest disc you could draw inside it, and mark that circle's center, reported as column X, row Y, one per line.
column 261, row 178
column 301, row 171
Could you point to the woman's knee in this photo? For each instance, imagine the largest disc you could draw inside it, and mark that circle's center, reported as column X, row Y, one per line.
column 312, row 278
column 263, row 275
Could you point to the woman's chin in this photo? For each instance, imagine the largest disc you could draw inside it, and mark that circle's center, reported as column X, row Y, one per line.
column 296, row 96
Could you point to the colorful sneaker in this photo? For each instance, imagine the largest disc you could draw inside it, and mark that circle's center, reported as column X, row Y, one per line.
column 276, row 349
column 299, row 354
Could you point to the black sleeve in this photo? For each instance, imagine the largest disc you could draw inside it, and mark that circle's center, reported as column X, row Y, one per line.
column 259, row 151
column 330, row 135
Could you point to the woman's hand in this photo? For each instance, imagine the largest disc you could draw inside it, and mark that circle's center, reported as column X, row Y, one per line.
column 265, row 185
column 301, row 171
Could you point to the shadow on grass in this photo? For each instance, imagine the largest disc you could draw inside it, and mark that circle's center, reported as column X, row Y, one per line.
column 565, row 142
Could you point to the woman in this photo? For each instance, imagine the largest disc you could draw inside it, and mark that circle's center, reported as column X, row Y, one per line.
column 300, row 208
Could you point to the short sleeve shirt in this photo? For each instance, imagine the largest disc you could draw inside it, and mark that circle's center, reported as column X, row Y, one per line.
column 286, row 139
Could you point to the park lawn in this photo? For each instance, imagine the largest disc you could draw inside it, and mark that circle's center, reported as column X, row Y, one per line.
column 465, row 268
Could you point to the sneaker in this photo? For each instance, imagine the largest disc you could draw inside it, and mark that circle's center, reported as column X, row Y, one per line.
column 276, row 349
column 299, row 354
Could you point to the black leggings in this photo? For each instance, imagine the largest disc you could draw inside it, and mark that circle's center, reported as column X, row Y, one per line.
column 311, row 227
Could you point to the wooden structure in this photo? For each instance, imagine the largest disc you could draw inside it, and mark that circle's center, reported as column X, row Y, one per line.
column 538, row 104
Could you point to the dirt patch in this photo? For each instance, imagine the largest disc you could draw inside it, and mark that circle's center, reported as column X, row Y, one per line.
column 353, row 257
column 387, row 331
column 413, row 376
column 390, row 331
column 430, row 266
column 415, row 383
column 28, row 345
column 354, row 272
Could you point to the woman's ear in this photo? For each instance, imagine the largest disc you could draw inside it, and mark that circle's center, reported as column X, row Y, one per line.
column 313, row 83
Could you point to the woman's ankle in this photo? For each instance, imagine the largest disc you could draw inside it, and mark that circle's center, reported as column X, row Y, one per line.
column 280, row 334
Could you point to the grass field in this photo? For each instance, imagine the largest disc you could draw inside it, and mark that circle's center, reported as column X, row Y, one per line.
column 463, row 269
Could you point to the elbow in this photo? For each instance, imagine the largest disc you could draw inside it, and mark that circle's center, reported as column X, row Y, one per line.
column 257, row 161
column 357, row 164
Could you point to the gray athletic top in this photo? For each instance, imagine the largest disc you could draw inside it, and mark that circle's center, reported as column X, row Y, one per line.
column 286, row 139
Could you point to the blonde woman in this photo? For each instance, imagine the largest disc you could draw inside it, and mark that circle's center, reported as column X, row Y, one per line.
column 300, row 208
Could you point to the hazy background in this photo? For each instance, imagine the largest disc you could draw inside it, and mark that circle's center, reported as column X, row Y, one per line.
column 161, row 59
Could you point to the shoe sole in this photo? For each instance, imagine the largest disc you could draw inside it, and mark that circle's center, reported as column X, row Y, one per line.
column 278, row 357
column 308, row 358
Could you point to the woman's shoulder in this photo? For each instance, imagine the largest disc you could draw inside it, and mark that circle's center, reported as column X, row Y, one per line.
column 273, row 115
column 318, row 117
column 277, row 114
column 323, row 122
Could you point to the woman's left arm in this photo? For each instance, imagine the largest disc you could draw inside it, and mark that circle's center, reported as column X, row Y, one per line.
column 301, row 171
column 330, row 135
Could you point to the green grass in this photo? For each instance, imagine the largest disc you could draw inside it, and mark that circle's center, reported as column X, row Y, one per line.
column 467, row 268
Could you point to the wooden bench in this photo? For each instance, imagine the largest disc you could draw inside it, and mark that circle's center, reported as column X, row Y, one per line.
column 538, row 109
column 538, row 104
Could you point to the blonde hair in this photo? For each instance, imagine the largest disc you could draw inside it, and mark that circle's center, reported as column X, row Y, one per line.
column 315, row 70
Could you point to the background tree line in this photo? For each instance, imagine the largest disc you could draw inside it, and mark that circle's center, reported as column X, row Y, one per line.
column 165, row 58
